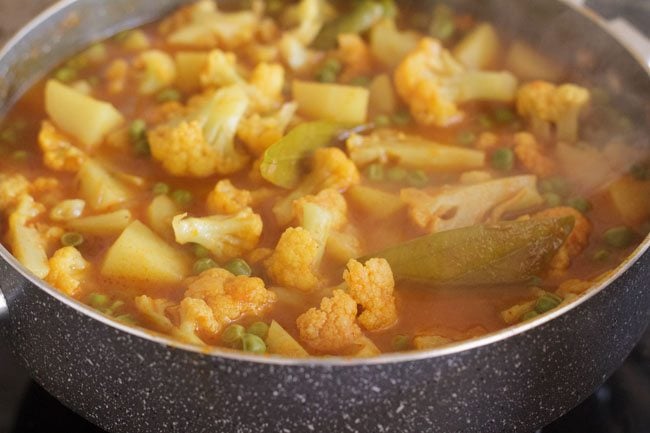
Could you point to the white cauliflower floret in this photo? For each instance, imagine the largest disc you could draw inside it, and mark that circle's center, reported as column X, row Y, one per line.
column 331, row 168
column 155, row 70
column 67, row 270
column 58, row 151
column 225, row 198
column 433, row 83
column 355, row 56
column 116, row 75
column 220, row 70
column 155, row 312
column 12, row 188
column 226, row 236
column 202, row 25
column 230, row 297
column 371, row 285
column 332, row 327
column 259, row 132
column 197, row 318
column 292, row 261
column 296, row 55
column 452, row 207
column 545, row 104
column 531, row 156
column 309, row 17
column 202, row 142
column 26, row 242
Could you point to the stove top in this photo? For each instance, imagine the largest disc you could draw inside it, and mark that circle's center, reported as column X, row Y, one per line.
column 621, row 405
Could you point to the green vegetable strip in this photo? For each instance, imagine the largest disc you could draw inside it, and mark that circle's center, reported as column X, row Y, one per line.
column 504, row 253
column 358, row 20
column 282, row 161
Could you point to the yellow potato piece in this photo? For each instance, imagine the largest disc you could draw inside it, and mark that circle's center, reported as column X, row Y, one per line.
column 189, row 65
column 334, row 102
column 98, row 188
column 479, row 49
column 140, row 255
column 83, row 117
column 280, row 342
column 102, row 225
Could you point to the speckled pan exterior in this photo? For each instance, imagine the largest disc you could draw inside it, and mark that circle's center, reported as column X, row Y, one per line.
column 128, row 381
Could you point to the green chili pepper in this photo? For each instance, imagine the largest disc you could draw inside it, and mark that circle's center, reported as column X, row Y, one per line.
column 358, row 20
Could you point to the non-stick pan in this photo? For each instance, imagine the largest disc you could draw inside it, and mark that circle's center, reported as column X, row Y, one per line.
column 516, row 380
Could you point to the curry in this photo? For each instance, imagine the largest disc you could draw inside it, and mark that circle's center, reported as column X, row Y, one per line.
column 314, row 178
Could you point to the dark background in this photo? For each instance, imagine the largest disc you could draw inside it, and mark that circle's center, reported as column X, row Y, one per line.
column 622, row 405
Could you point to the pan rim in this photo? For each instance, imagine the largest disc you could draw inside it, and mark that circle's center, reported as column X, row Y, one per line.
column 388, row 358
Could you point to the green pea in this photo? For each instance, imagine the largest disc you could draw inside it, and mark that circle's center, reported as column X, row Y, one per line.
column 382, row 121
column 375, row 172
column 535, row 281
column 182, row 197
column 401, row 342
column 200, row 251
column 65, row 74
column 327, row 76
column 442, row 25
column 114, row 307
column 20, row 155
column 233, row 334
column 72, row 239
column 98, row 300
column 580, row 203
column 619, row 237
column 253, row 344
column 402, row 118
column 552, row 199
column 330, row 71
column 9, row 135
column 137, row 130
column 417, row 178
column 141, row 148
column 556, row 184
column 503, row 159
column 547, row 302
column 397, row 174
column 529, row 315
column 160, row 188
column 238, row 267
column 640, row 171
column 260, row 329
column 601, row 255
column 168, row 95
column 503, row 115
column 202, row 265
column 360, row 81
column 485, row 122
column 466, row 138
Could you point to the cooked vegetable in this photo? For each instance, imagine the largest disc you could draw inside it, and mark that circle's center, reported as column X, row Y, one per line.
column 503, row 253
column 72, row 239
column 160, row 213
column 282, row 161
column 528, row 64
column 411, row 151
column 479, row 49
column 358, row 20
column 333, row 102
column 619, row 237
column 140, row 255
column 390, row 45
column 238, row 267
column 109, row 224
column 383, row 99
column 280, row 342
column 85, row 118
column 631, row 198
column 99, row 188
column 375, row 202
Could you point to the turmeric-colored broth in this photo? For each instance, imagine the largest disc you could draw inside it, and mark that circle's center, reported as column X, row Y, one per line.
column 448, row 313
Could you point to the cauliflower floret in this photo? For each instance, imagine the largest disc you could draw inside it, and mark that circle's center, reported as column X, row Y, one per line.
column 292, row 261
column 296, row 55
column 259, row 133
column 309, row 16
column 58, row 152
column 331, row 168
column 544, row 104
column 226, row 199
column 226, row 236
column 202, row 143
column 432, row 82
column 452, row 207
column 67, row 270
column 333, row 326
column 155, row 70
column 12, row 187
column 26, row 242
column 155, row 312
column 371, row 285
column 202, row 25
column 220, row 70
column 575, row 243
column 530, row 154
column 116, row 75
column 355, row 56
column 230, row 297
column 330, row 201
column 197, row 318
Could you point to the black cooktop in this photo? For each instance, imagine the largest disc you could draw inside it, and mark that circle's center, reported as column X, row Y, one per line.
column 621, row 405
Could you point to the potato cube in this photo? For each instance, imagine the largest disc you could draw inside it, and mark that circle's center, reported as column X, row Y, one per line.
column 335, row 102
